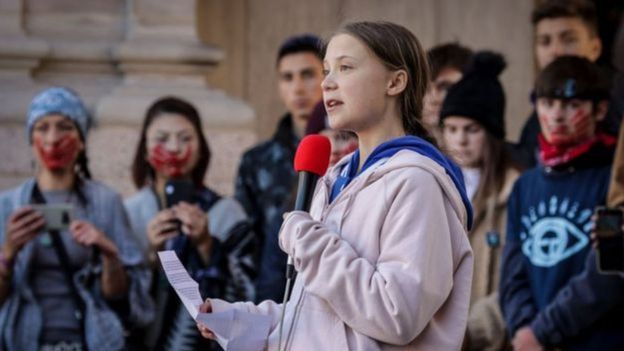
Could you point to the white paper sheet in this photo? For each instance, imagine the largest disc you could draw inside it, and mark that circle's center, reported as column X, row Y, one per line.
column 235, row 330
column 238, row 330
column 186, row 288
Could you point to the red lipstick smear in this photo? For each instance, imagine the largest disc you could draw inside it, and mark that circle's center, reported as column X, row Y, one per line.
column 167, row 162
column 60, row 155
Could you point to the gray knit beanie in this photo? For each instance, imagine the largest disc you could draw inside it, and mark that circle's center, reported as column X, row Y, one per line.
column 62, row 101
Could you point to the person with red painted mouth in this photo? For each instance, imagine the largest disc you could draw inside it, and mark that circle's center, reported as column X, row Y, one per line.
column 174, row 210
column 552, row 293
column 52, row 278
column 172, row 163
column 57, row 154
column 561, row 28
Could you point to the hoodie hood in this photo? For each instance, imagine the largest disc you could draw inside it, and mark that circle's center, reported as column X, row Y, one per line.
column 410, row 151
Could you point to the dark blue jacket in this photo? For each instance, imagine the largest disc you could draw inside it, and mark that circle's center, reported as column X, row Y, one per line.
column 549, row 279
column 266, row 179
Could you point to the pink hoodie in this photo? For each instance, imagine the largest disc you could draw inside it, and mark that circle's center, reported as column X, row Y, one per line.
column 386, row 266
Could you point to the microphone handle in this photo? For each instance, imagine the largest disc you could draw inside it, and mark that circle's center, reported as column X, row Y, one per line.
column 305, row 192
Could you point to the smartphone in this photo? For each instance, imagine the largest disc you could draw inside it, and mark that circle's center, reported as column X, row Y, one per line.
column 608, row 229
column 56, row 216
column 177, row 191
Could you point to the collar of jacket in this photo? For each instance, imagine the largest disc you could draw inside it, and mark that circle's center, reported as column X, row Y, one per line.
column 400, row 160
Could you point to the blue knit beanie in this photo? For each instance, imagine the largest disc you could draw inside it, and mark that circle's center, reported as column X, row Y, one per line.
column 62, row 101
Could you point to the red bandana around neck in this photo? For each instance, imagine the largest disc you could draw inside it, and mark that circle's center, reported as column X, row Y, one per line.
column 556, row 155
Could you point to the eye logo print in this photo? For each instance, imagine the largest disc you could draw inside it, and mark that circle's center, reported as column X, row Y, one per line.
column 554, row 231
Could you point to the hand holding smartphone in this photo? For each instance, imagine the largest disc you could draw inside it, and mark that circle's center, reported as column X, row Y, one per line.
column 177, row 191
column 610, row 238
column 161, row 228
column 57, row 216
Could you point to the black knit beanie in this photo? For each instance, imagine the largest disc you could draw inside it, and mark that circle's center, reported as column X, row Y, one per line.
column 479, row 95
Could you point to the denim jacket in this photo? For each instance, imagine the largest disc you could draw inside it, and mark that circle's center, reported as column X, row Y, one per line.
column 20, row 315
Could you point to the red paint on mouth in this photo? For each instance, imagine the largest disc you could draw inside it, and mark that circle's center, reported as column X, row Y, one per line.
column 581, row 122
column 575, row 131
column 60, row 155
column 169, row 163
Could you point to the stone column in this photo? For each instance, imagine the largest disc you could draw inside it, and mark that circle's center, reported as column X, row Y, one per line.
column 20, row 55
column 120, row 56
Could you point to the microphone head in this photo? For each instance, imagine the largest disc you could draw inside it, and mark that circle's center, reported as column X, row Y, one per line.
column 313, row 154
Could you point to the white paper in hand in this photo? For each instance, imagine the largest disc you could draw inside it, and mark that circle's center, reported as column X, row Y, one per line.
column 238, row 330
column 250, row 331
column 235, row 330
column 186, row 288
column 219, row 323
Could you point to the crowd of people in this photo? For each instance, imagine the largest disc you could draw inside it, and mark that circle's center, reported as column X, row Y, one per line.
column 429, row 231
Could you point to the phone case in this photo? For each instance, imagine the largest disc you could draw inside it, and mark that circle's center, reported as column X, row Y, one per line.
column 57, row 216
column 610, row 240
column 177, row 191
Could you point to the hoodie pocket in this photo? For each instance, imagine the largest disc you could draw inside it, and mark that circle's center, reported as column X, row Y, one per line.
column 318, row 328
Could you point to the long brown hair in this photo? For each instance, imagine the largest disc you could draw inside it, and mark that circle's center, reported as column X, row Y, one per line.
column 142, row 171
column 398, row 48
column 494, row 165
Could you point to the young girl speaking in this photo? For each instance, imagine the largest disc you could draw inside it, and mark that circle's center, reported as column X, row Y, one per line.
column 383, row 258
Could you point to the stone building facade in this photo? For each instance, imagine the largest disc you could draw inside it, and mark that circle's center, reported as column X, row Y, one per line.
column 121, row 55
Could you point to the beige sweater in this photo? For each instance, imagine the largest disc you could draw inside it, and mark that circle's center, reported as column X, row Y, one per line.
column 386, row 266
column 486, row 328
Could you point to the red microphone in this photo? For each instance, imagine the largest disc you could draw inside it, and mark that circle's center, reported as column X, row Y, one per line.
column 311, row 162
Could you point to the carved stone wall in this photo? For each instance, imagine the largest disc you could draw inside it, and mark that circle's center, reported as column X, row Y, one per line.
column 120, row 56
column 501, row 25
